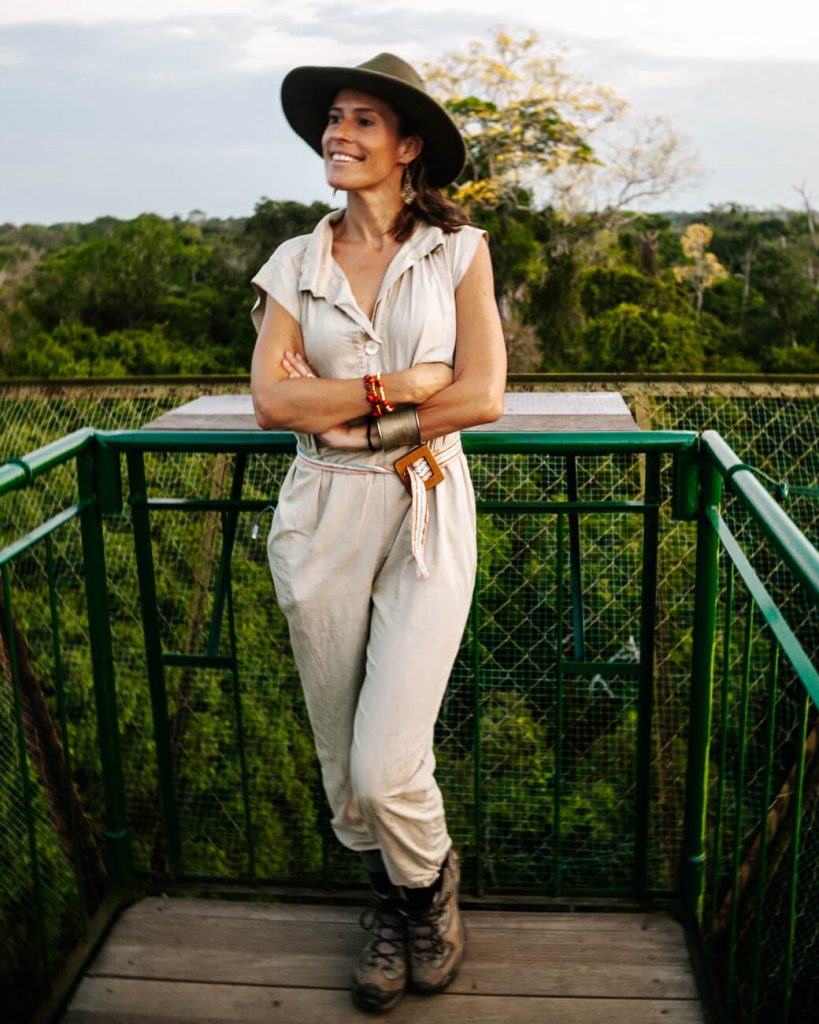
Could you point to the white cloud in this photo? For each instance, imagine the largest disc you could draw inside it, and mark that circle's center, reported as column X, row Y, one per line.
column 729, row 29
column 268, row 48
column 18, row 12
column 154, row 113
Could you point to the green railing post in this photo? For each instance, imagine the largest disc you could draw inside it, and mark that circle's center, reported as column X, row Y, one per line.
column 648, row 629
column 477, row 738
column 559, row 714
column 143, row 550
column 118, row 855
column 229, row 521
column 706, row 590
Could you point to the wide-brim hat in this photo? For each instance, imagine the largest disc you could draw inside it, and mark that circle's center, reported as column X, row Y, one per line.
column 307, row 93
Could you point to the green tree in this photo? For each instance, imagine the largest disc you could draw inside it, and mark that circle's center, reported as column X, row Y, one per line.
column 273, row 222
column 629, row 336
column 703, row 268
column 552, row 160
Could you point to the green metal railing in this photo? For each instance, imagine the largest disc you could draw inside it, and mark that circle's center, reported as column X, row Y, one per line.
column 563, row 514
column 758, row 919
column 46, row 918
column 557, row 743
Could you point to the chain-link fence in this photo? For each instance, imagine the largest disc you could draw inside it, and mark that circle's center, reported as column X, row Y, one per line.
column 247, row 788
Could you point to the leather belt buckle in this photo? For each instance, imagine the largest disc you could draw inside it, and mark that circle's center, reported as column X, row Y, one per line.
column 402, row 467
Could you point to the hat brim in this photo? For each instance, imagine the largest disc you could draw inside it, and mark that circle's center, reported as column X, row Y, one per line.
column 308, row 91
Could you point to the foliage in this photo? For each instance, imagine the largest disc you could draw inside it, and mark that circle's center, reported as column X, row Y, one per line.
column 79, row 351
column 520, row 113
column 145, row 296
column 602, row 289
column 149, row 296
column 642, row 339
column 703, row 268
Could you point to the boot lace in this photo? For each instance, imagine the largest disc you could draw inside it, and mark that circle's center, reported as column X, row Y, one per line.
column 424, row 933
column 387, row 943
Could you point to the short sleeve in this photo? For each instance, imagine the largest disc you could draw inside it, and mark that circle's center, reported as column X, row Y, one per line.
column 279, row 278
column 461, row 248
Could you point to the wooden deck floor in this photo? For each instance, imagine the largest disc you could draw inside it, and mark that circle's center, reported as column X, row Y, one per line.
column 173, row 960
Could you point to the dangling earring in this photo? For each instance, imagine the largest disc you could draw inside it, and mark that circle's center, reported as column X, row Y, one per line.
column 408, row 193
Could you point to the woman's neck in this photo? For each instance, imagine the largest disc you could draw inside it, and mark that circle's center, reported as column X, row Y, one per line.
column 368, row 219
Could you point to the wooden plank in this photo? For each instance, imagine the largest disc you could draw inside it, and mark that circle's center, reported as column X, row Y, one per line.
column 562, row 412
column 184, row 918
column 506, row 424
column 556, row 424
column 523, row 411
column 301, row 937
column 173, row 421
column 124, row 1001
column 317, row 954
column 657, row 924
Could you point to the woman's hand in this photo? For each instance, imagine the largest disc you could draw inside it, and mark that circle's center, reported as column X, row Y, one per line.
column 414, row 386
column 344, row 435
column 347, row 435
column 295, row 365
column 411, row 386
column 341, row 436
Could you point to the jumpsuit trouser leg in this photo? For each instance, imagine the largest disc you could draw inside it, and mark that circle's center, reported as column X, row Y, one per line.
column 374, row 646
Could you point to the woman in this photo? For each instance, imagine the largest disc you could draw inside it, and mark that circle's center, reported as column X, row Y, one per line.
column 376, row 332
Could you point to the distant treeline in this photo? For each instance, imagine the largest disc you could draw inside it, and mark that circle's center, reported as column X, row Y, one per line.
column 732, row 290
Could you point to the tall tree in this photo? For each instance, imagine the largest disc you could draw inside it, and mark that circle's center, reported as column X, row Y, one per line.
column 703, row 268
column 535, row 131
column 552, row 160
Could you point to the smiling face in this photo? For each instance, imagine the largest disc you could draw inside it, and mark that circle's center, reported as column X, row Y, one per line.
column 362, row 146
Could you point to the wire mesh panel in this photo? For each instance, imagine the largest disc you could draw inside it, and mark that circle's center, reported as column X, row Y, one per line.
column 539, row 805
column 537, row 742
column 760, row 922
column 53, row 874
column 752, row 818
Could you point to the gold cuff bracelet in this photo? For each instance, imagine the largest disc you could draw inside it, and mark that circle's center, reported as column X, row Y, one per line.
column 399, row 428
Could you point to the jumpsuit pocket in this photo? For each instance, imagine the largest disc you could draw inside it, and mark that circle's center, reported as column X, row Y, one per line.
column 294, row 523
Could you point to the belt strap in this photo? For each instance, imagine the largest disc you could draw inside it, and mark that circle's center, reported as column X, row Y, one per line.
column 417, row 472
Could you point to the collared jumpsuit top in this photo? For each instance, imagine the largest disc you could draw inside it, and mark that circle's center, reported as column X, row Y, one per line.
column 374, row 643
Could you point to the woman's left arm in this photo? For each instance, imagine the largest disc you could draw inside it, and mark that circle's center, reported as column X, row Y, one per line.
column 476, row 392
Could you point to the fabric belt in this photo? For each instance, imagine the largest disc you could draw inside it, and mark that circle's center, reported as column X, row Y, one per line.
column 418, row 472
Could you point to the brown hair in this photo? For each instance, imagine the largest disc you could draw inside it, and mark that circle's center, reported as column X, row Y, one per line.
column 431, row 205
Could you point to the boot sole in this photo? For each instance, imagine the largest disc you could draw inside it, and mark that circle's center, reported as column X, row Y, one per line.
column 372, row 1000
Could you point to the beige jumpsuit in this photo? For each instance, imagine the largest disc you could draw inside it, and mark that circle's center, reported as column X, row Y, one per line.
column 374, row 643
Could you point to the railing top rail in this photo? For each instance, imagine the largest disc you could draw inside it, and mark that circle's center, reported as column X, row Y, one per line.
column 476, row 442
column 243, row 379
column 18, row 471
column 793, row 546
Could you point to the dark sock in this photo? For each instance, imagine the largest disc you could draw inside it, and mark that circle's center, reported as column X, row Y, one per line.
column 381, row 884
column 377, row 873
column 420, row 899
column 373, row 861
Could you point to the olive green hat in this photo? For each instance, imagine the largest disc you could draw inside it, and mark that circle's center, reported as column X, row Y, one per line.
column 307, row 93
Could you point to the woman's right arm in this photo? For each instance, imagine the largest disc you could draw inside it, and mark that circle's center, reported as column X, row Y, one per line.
column 313, row 405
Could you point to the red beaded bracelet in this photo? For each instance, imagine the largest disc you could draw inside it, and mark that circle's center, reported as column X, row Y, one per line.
column 374, row 386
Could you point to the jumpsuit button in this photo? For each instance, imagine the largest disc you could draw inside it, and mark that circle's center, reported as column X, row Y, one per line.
column 371, row 348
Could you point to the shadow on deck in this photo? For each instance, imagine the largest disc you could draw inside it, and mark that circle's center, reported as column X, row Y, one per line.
column 172, row 960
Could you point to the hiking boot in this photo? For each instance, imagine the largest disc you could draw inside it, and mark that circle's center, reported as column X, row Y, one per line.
column 436, row 938
column 380, row 976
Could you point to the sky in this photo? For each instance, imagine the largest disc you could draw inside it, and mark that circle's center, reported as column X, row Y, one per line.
column 119, row 107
